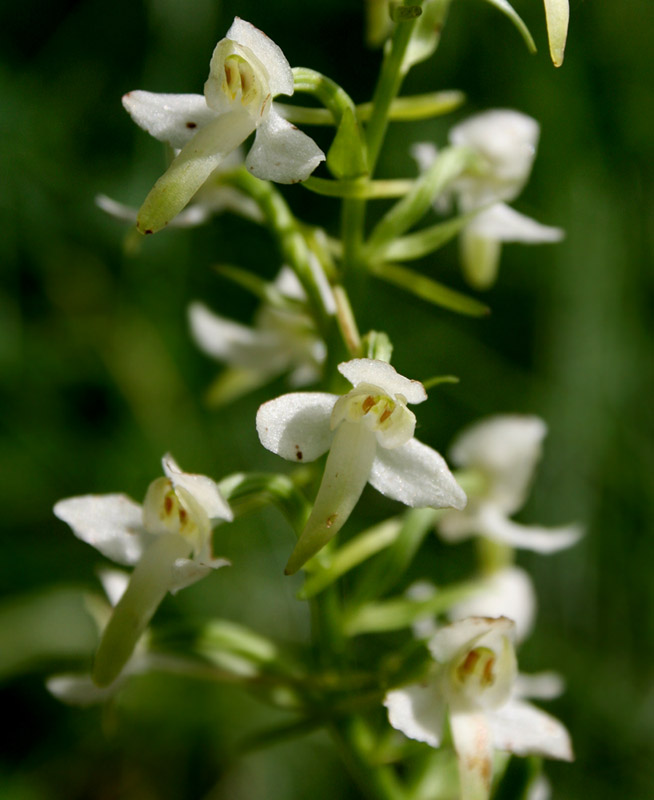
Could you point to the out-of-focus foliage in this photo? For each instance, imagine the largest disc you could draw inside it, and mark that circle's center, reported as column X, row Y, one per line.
column 99, row 376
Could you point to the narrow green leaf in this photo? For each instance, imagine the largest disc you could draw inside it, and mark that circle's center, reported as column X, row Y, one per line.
column 424, row 242
column 438, row 379
column 402, row 612
column 429, row 289
column 506, row 8
column 346, row 158
column 352, row 554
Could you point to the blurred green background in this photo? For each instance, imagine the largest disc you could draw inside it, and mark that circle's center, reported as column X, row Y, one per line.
column 99, row 377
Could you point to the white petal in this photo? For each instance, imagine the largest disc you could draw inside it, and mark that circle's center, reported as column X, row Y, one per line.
column 474, row 748
column 112, row 523
column 203, row 489
column 493, row 524
column 191, row 168
column 447, row 642
column 280, row 76
column 288, row 284
column 79, row 690
column 172, row 118
column 540, row 686
column 115, row 209
column 417, row 476
column 379, row 373
column 523, row 729
column 506, row 139
column 281, row 152
column 508, row 593
column 424, row 154
column 296, row 425
column 507, row 448
column 502, row 223
column 114, row 582
column 236, row 344
column 418, row 711
column 186, row 571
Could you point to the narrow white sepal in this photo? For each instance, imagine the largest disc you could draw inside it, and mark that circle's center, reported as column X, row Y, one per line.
column 494, row 525
column 279, row 73
column 504, row 224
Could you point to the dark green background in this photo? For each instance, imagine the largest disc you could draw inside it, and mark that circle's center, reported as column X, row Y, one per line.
column 99, row 377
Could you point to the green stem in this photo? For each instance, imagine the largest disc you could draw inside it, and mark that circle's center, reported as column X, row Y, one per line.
column 292, row 243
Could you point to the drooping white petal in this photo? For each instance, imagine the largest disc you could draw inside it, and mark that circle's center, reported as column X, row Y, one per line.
column 418, row 711
column 523, row 729
column 191, row 168
column 346, row 474
column 281, row 152
column 383, row 375
column 148, row 585
column 474, row 748
column 296, row 425
column 508, row 592
column 506, row 448
column 424, row 154
column 493, row 524
column 236, row 344
column 280, row 76
column 417, row 476
column 171, row 118
column 447, row 642
column 112, row 523
column 539, row 686
column 557, row 13
column 202, row 488
column 186, row 571
column 503, row 224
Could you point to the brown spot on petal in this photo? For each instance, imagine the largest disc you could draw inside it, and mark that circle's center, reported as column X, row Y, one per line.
column 191, row 125
column 330, row 520
column 168, row 504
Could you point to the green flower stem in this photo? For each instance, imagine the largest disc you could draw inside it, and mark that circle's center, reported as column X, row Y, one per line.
column 335, row 99
column 359, row 188
column 376, row 781
column 388, row 86
column 402, row 109
column 493, row 556
column 292, row 244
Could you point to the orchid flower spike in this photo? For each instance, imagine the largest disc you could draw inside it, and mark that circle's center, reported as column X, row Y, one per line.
column 282, row 339
column 247, row 70
column 369, row 435
column 505, row 144
column 473, row 679
column 167, row 540
column 504, row 451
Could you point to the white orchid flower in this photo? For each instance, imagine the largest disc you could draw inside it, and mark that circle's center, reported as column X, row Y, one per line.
column 168, row 540
column 281, row 340
column 247, row 70
column 473, row 680
column 369, row 435
column 504, row 450
column 505, row 143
